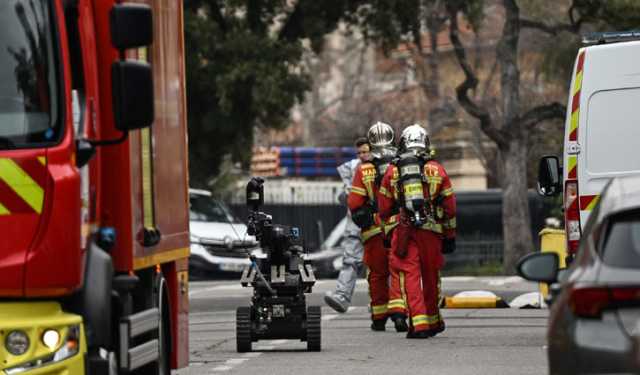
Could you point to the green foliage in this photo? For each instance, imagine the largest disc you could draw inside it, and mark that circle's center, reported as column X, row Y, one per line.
column 243, row 70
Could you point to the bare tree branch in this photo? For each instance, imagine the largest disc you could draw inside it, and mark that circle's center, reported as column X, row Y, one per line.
column 541, row 113
column 470, row 83
column 549, row 29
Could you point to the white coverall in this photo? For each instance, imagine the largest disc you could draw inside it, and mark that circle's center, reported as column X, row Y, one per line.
column 351, row 242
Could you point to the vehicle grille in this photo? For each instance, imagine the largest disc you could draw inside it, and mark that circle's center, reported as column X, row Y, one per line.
column 223, row 251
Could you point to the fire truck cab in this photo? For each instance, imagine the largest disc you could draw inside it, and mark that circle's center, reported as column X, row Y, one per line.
column 94, row 239
column 601, row 128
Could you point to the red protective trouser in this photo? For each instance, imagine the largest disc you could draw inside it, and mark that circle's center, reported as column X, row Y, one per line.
column 384, row 284
column 419, row 275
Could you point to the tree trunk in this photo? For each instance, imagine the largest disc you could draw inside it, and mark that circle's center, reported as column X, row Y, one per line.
column 515, row 203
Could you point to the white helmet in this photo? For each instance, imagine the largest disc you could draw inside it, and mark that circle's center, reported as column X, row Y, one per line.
column 380, row 135
column 414, row 137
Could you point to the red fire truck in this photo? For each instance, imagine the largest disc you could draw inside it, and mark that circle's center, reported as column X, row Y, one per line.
column 94, row 240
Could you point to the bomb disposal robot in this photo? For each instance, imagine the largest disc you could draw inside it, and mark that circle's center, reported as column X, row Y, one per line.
column 278, row 307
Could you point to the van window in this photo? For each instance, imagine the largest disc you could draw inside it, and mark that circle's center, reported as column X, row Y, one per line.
column 622, row 243
column 613, row 132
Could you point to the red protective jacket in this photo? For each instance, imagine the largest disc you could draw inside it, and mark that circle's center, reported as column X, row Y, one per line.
column 363, row 191
column 437, row 189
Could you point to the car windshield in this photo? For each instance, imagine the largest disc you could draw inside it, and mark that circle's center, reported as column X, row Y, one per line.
column 622, row 243
column 28, row 80
column 205, row 208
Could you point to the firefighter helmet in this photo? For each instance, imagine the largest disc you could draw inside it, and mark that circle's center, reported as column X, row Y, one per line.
column 380, row 135
column 414, row 137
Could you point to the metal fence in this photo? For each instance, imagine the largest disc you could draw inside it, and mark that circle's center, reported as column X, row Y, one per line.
column 479, row 221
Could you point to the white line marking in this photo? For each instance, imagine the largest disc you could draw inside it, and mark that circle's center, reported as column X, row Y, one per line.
column 351, row 309
column 222, row 368
column 329, row 317
column 459, row 278
column 278, row 342
column 252, row 355
column 236, row 361
column 265, row 347
column 199, row 291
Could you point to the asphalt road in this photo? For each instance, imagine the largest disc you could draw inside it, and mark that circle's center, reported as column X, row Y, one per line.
column 477, row 341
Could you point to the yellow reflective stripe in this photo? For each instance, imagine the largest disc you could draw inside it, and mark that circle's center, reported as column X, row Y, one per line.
column 369, row 187
column 20, row 182
column 379, row 309
column 434, row 227
column 370, row 232
column 433, row 319
column 42, row 160
column 447, row 192
column 4, row 210
column 147, row 179
column 419, row 320
column 402, row 289
column 396, row 303
column 593, row 203
column 389, row 227
column 577, row 85
column 451, row 224
column 385, row 192
column 359, row 191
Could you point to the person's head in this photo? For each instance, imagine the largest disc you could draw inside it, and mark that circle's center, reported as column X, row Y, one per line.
column 414, row 137
column 363, row 149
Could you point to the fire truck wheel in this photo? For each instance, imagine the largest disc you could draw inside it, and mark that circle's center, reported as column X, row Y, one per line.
column 314, row 328
column 243, row 329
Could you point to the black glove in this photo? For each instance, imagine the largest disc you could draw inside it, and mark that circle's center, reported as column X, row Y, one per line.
column 363, row 216
column 448, row 245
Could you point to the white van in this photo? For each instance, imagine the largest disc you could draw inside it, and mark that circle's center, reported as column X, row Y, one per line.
column 602, row 127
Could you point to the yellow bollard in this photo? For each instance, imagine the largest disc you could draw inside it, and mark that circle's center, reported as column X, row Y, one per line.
column 553, row 240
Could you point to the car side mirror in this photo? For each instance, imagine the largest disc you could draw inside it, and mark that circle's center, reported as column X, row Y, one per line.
column 549, row 183
column 132, row 90
column 540, row 267
column 131, row 26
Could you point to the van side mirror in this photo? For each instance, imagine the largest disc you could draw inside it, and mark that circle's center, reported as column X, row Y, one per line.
column 549, row 183
column 132, row 91
column 131, row 26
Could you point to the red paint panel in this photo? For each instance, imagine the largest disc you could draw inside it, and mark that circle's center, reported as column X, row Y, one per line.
column 574, row 135
column 17, row 229
column 585, row 200
column 580, row 65
column 54, row 261
column 12, row 201
column 36, row 170
column 575, row 103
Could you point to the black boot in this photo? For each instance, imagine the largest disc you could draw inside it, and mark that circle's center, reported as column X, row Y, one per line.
column 379, row 324
column 419, row 334
column 401, row 324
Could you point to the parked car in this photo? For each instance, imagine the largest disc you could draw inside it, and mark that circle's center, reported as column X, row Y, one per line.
column 327, row 260
column 219, row 241
column 594, row 319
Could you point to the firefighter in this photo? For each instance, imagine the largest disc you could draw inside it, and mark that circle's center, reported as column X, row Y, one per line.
column 420, row 189
column 340, row 299
column 384, row 286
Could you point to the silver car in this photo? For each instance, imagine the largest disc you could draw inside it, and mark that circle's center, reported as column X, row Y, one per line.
column 219, row 241
column 594, row 318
